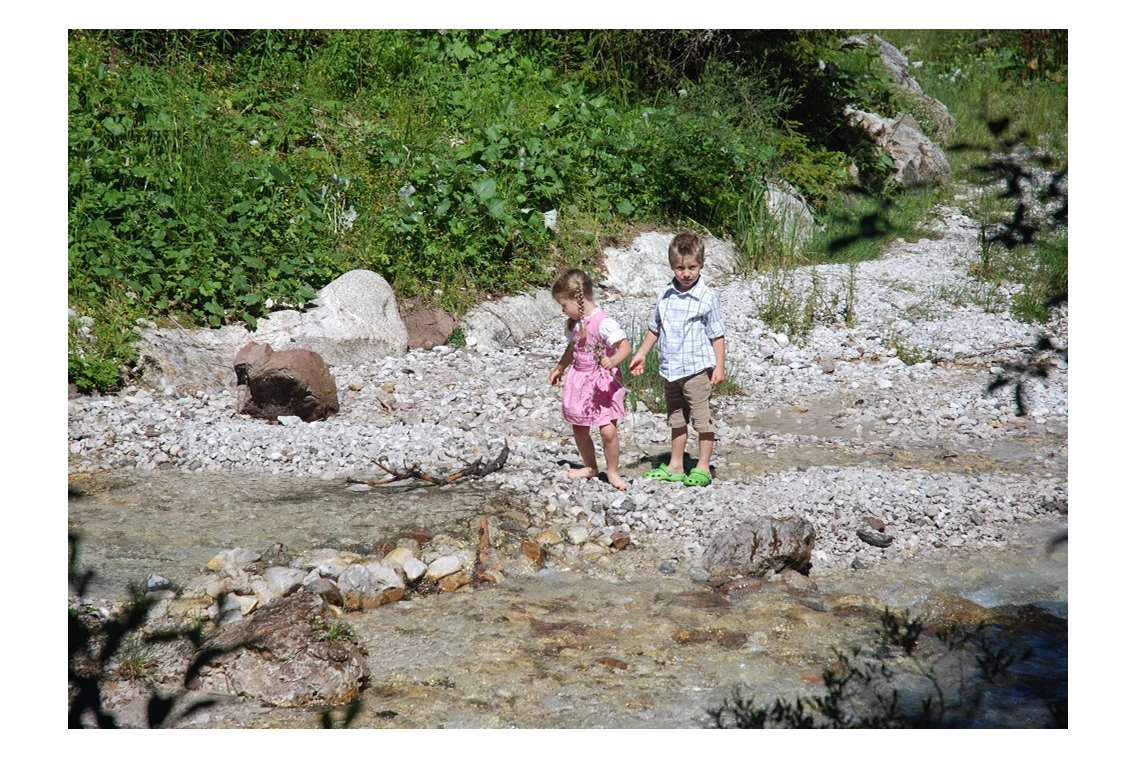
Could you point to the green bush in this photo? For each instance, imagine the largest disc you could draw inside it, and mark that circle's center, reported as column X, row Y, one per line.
column 210, row 171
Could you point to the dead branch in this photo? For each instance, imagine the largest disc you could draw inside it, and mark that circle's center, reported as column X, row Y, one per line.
column 475, row 469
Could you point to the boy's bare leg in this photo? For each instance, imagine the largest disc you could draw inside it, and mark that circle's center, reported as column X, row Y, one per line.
column 583, row 437
column 678, row 448
column 706, row 447
column 611, row 442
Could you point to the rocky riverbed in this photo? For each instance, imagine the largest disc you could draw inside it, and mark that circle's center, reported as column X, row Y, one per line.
column 879, row 420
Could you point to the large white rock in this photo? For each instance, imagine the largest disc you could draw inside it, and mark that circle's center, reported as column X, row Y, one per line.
column 642, row 268
column 507, row 322
column 915, row 158
column 356, row 320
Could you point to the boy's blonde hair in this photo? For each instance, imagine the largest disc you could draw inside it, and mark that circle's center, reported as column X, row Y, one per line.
column 685, row 245
column 577, row 285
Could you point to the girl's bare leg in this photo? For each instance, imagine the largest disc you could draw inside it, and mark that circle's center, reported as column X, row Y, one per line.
column 583, row 437
column 611, row 443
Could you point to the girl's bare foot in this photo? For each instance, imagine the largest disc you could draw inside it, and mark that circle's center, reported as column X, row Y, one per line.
column 615, row 480
column 585, row 472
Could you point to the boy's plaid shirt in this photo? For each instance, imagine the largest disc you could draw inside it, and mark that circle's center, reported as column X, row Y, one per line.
column 686, row 322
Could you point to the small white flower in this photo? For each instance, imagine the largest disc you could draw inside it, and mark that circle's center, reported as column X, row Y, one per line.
column 682, row 93
column 254, row 142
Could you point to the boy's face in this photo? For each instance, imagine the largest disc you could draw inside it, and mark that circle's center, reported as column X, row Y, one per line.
column 686, row 270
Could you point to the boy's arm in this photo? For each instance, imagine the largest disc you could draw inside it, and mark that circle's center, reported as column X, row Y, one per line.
column 636, row 367
column 718, row 376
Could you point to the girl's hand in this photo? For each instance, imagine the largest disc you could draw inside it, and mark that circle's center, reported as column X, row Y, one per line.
column 606, row 363
column 555, row 375
column 636, row 367
column 718, row 376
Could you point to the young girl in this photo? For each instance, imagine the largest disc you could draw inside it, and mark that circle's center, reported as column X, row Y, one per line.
column 593, row 391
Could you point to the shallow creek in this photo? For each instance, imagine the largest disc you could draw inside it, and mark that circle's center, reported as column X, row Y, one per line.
column 618, row 645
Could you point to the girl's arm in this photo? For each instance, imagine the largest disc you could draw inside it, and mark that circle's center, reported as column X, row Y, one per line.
column 562, row 364
column 623, row 350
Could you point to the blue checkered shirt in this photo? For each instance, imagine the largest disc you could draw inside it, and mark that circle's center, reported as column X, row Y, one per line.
column 686, row 322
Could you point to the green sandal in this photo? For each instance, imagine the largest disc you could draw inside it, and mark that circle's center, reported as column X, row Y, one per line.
column 697, row 478
column 663, row 474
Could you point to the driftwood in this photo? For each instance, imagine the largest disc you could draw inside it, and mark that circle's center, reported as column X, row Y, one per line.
column 477, row 468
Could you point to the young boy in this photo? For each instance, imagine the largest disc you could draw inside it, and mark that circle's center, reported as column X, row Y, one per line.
column 687, row 324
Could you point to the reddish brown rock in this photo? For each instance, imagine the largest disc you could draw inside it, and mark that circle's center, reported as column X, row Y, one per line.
column 620, row 540
column 428, row 327
column 613, row 663
column 381, row 548
column 419, row 534
column 285, row 383
column 874, row 522
column 533, row 552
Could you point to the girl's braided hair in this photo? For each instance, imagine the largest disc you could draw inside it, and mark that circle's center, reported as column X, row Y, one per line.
column 576, row 284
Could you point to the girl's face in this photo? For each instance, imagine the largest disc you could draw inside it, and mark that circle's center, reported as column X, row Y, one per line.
column 570, row 308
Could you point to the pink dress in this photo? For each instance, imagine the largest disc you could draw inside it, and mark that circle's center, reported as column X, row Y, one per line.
column 592, row 395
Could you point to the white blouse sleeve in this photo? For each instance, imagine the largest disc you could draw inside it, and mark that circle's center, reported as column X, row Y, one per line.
column 611, row 331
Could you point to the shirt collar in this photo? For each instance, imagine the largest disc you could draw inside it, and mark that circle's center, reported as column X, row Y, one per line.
column 695, row 291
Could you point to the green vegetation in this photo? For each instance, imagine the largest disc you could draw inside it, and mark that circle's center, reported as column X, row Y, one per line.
column 213, row 171
column 1008, row 91
column 795, row 310
column 337, row 630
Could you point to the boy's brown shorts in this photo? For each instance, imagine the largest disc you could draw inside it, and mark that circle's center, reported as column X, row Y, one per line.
column 689, row 402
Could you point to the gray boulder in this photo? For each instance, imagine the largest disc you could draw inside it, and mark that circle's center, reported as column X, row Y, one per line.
column 278, row 655
column 896, row 64
column 793, row 218
column 506, row 322
column 355, row 320
column 759, row 546
column 642, row 268
column 916, row 159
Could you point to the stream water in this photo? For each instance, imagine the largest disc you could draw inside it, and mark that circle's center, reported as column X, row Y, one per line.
column 619, row 645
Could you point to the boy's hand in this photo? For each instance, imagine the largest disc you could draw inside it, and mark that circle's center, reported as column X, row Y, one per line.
column 636, row 367
column 718, row 376
column 555, row 375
